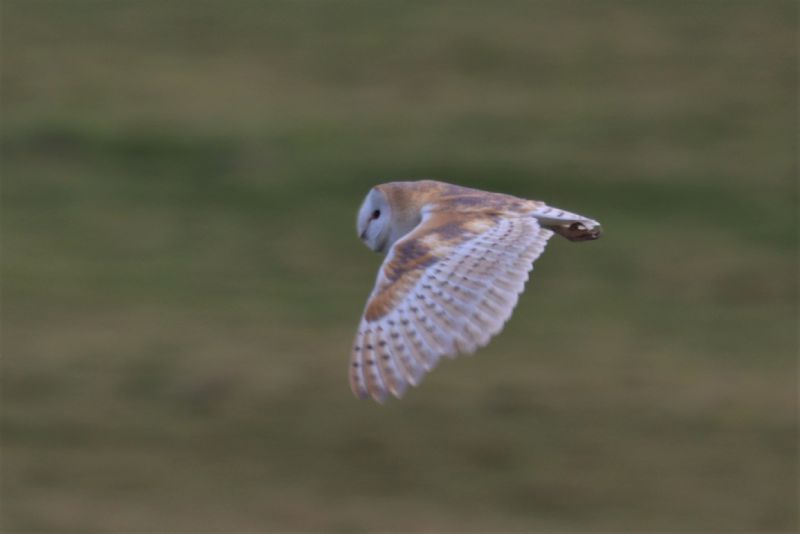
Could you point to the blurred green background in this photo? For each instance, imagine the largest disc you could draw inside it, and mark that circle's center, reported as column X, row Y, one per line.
column 182, row 279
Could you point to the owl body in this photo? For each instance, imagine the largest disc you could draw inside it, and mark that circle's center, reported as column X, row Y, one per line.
column 456, row 261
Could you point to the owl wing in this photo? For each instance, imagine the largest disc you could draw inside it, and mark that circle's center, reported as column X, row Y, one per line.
column 445, row 288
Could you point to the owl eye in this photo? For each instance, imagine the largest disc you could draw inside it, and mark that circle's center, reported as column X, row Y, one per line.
column 376, row 214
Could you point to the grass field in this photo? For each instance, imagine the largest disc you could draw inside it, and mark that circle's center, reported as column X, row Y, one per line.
column 181, row 278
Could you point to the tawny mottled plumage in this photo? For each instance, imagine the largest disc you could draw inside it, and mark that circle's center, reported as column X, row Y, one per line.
column 457, row 260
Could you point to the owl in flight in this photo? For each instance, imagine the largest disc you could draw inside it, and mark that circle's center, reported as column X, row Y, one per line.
column 456, row 261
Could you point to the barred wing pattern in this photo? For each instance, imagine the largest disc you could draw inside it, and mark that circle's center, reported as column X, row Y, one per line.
column 445, row 288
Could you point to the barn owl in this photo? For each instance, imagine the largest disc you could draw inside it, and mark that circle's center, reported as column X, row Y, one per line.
column 456, row 261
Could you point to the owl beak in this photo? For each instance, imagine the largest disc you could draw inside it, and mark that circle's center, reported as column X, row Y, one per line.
column 363, row 235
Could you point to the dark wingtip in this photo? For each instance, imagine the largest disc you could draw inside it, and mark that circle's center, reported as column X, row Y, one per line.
column 578, row 232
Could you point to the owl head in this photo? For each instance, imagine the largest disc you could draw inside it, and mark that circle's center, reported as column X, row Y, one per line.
column 387, row 214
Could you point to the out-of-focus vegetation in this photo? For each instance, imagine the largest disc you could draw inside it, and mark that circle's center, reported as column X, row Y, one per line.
column 182, row 280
